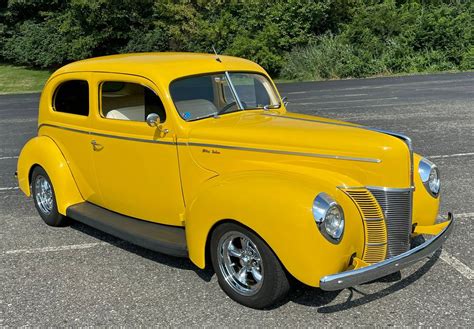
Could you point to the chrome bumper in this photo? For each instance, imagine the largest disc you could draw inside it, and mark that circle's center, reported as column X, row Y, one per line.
column 365, row 274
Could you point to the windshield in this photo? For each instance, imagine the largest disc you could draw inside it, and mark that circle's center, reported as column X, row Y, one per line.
column 199, row 97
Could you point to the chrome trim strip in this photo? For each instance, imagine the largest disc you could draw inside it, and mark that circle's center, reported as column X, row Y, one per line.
column 134, row 139
column 229, row 147
column 314, row 155
column 381, row 188
column 234, row 91
column 91, row 133
column 372, row 272
column 390, row 189
column 314, row 120
column 64, row 128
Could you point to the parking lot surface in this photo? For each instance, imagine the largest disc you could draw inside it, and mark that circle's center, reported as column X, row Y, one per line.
column 79, row 276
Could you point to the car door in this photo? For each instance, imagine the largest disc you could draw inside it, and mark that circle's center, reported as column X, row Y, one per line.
column 136, row 165
column 68, row 124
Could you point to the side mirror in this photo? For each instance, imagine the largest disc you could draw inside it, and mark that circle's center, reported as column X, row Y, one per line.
column 153, row 119
column 285, row 100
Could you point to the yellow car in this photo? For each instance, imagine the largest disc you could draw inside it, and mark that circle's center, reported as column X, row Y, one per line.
column 195, row 155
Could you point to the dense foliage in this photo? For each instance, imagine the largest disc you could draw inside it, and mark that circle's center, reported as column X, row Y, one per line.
column 296, row 39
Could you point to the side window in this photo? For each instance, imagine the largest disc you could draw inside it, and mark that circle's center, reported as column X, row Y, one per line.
column 129, row 101
column 72, row 97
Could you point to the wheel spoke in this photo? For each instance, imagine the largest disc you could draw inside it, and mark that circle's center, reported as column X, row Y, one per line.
column 245, row 243
column 252, row 249
column 256, row 274
column 242, row 275
column 234, row 251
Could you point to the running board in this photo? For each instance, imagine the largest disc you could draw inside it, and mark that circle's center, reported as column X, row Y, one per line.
column 170, row 240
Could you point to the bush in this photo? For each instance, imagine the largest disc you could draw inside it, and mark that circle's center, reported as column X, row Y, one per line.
column 327, row 57
column 294, row 38
column 390, row 38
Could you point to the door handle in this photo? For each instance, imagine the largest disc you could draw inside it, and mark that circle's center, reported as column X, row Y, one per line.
column 96, row 146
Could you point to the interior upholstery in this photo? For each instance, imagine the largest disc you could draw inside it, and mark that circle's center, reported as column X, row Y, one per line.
column 130, row 101
column 195, row 108
column 133, row 113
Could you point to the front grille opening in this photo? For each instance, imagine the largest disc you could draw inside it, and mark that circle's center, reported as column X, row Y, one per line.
column 387, row 220
column 397, row 208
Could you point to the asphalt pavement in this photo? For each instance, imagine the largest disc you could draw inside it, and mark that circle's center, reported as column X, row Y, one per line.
column 78, row 276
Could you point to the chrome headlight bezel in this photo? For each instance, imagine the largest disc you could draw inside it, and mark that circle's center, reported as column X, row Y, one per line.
column 429, row 175
column 324, row 207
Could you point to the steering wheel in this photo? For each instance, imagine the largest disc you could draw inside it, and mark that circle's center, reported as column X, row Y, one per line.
column 226, row 107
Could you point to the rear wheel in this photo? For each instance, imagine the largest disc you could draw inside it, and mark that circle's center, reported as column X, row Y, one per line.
column 246, row 268
column 45, row 199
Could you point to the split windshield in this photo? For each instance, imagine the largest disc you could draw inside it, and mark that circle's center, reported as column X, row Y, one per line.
column 203, row 96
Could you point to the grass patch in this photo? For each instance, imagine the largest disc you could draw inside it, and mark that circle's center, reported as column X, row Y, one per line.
column 18, row 79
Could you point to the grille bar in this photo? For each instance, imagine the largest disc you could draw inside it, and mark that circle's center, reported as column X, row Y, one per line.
column 397, row 207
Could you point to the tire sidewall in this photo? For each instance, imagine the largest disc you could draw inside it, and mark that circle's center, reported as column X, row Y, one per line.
column 269, row 292
column 54, row 218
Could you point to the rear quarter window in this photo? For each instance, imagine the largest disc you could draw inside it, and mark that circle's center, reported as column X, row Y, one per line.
column 72, row 97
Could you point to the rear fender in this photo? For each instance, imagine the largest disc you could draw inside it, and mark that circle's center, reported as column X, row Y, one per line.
column 44, row 152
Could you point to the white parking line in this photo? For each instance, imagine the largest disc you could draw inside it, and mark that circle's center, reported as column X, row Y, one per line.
column 464, row 215
column 358, row 106
column 450, row 155
column 298, row 92
column 9, row 188
column 346, row 101
column 462, row 268
column 330, row 96
column 58, row 248
column 5, row 158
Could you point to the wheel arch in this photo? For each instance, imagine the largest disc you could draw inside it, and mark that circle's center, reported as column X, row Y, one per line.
column 42, row 151
column 236, row 222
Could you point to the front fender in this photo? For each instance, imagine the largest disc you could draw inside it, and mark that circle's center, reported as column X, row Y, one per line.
column 278, row 207
column 44, row 152
column 425, row 207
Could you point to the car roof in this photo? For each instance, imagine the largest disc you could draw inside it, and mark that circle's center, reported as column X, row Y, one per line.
column 164, row 67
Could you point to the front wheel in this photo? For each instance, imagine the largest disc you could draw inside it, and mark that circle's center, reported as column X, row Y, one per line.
column 45, row 199
column 246, row 268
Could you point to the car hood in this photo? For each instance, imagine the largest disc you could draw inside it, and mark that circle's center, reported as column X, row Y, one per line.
column 253, row 140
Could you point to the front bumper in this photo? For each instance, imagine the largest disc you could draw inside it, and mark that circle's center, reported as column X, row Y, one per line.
column 372, row 272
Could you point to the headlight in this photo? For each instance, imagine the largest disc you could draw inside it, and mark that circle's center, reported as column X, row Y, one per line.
column 429, row 175
column 329, row 217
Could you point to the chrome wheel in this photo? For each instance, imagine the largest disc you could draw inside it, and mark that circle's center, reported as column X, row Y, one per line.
column 44, row 195
column 240, row 263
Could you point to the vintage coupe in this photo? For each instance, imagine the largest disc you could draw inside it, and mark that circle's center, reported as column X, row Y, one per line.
column 195, row 155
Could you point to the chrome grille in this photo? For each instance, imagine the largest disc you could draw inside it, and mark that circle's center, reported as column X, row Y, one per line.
column 375, row 230
column 397, row 207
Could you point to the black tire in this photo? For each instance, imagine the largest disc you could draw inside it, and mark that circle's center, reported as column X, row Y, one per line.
column 47, row 210
column 274, row 283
